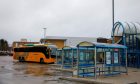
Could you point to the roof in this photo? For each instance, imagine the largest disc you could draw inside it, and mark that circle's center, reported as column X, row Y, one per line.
column 48, row 45
column 54, row 38
column 65, row 38
column 74, row 48
column 99, row 45
column 24, row 42
column 69, row 47
column 129, row 28
column 52, row 46
column 59, row 49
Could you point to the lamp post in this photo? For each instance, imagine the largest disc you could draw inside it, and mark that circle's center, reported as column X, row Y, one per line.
column 44, row 34
column 113, row 21
column 113, row 13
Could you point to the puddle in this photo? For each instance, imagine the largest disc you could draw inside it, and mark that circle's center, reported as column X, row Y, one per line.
column 14, row 72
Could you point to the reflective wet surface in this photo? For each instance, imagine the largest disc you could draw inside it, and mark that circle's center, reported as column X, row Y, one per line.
column 14, row 72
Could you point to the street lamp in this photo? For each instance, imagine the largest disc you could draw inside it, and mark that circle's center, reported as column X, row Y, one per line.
column 113, row 20
column 113, row 13
column 44, row 32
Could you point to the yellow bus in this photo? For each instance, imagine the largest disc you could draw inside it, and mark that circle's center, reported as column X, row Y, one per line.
column 40, row 54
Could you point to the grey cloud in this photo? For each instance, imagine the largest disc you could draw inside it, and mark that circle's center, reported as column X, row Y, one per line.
column 89, row 18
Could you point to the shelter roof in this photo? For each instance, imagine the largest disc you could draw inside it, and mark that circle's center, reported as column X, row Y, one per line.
column 99, row 45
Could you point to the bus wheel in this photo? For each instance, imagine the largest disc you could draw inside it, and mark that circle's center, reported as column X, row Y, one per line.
column 19, row 59
column 41, row 60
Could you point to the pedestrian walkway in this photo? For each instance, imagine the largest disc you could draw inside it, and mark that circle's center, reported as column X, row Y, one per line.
column 132, row 78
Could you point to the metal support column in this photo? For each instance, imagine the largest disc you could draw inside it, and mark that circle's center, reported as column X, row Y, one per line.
column 126, row 60
column 104, row 67
column 78, row 62
column 72, row 58
column 56, row 56
column 62, row 59
column 113, row 13
column 113, row 20
column 95, row 62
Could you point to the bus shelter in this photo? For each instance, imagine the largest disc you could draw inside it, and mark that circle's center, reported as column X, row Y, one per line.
column 59, row 56
column 53, row 50
column 69, row 56
column 101, row 59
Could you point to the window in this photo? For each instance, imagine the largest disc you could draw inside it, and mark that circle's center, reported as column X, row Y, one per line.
column 44, row 50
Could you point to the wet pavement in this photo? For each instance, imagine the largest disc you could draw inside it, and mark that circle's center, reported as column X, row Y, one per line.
column 14, row 72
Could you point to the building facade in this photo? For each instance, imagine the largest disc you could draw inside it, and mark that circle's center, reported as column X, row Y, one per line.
column 60, row 42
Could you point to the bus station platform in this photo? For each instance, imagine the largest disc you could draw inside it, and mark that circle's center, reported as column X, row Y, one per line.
column 131, row 78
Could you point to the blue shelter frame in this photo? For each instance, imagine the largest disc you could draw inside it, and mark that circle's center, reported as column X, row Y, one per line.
column 69, row 56
column 86, row 56
column 59, row 56
column 129, row 35
column 110, row 63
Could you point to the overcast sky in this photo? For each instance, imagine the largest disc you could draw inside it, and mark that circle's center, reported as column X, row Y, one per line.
column 81, row 18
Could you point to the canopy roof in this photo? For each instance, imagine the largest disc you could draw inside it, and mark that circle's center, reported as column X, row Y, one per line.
column 129, row 28
column 69, row 47
column 99, row 45
column 37, row 45
column 52, row 46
